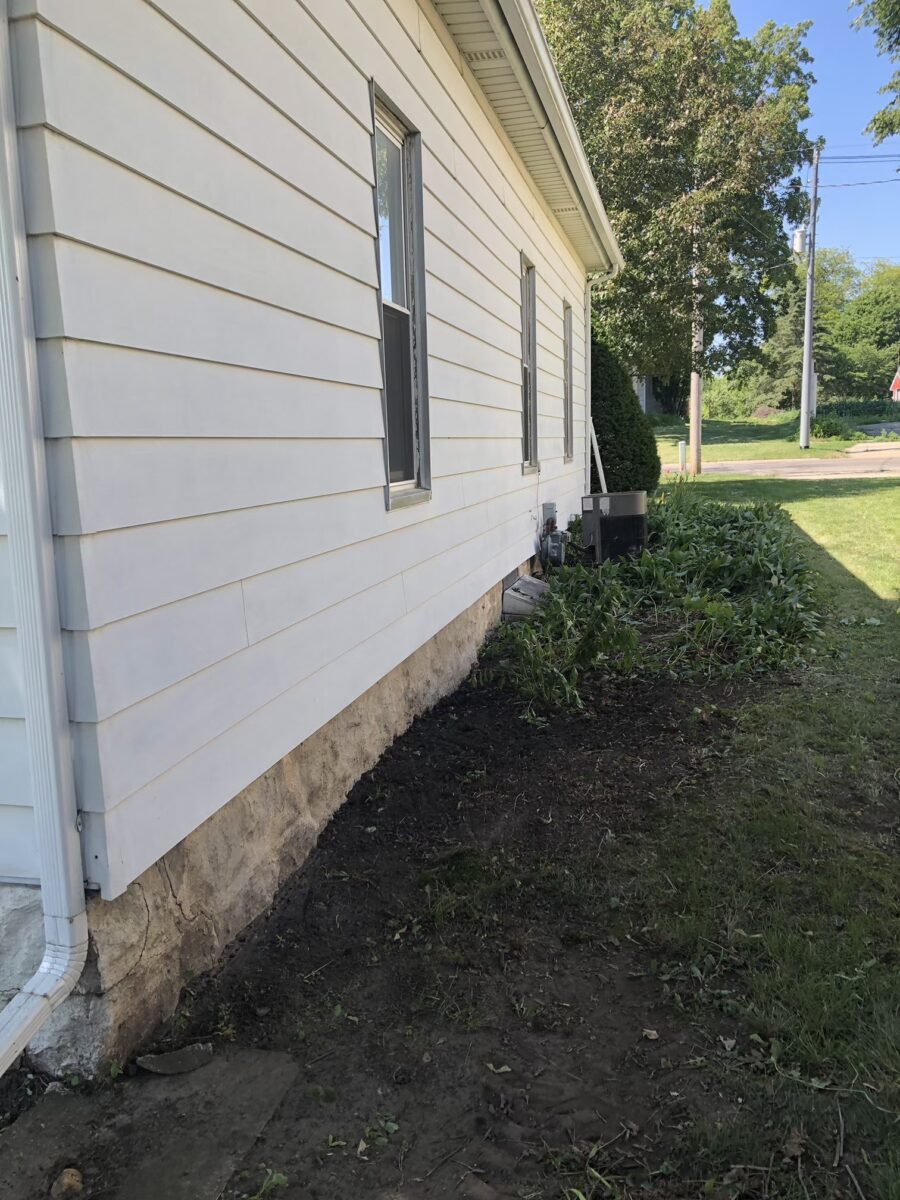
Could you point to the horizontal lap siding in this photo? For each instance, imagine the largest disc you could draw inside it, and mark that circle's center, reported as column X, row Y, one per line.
column 199, row 205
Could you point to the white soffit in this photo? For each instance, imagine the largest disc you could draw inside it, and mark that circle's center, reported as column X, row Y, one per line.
column 502, row 43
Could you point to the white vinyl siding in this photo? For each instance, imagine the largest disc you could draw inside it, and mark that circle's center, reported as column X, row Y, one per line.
column 199, row 200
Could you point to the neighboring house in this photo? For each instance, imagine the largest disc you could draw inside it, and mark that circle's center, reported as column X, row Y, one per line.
column 301, row 356
column 644, row 390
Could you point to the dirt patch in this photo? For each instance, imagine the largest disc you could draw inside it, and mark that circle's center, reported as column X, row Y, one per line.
column 458, row 968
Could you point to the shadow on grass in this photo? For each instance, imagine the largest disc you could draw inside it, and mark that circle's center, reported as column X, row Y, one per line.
column 718, row 432
column 787, row 491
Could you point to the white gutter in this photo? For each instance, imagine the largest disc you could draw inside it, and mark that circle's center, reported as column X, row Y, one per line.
column 24, row 474
column 590, row 434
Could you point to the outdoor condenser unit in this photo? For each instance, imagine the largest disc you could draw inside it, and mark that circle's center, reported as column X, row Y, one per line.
column 614, row 524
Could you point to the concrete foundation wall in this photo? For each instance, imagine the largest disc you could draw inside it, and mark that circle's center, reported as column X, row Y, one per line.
column 175, row 920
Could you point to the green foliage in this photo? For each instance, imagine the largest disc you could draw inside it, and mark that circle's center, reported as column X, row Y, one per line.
column 624, row 435
column 884, row 17
column 736, row 395
column 859, row 411
column 856, row 339
column 873, row 314
column 833, row 427
column 694, row 136
column 723, row 591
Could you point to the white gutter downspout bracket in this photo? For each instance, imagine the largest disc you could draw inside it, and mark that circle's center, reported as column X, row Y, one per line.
column 590, row 434
column 24, row 475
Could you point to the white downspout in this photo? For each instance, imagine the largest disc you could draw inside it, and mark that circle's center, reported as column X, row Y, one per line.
column 23, row 468
column 590, row 435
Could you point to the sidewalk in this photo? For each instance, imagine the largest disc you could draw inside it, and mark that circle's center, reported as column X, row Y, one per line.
column 882, row 462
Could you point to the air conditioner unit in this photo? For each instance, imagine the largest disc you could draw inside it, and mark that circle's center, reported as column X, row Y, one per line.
column 614, row 524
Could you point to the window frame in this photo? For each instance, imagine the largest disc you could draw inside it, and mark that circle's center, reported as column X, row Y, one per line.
column 568, row 384
column 530, row 457
column 387, row 118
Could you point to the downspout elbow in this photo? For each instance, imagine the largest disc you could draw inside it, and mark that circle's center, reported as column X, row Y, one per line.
column 54, row 980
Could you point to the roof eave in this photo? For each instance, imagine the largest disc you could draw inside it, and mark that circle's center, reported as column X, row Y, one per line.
column 524, row 26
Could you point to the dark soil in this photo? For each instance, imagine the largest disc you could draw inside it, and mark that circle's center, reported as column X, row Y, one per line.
column 458, row 968
column 460, row 971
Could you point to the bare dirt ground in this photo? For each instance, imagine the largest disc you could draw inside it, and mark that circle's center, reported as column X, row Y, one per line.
column 454, row 974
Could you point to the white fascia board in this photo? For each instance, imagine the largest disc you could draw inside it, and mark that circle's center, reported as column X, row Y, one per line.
column 525, row 27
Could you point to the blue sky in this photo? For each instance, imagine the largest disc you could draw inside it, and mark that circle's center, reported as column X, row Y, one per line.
column 865, row 220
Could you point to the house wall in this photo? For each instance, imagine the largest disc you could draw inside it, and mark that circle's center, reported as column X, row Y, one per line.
column 18, row 852
column 199, row 206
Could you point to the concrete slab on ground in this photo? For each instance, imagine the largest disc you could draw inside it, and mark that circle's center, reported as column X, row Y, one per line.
column 862, row 466
column 176, row 1136
column 888, row 448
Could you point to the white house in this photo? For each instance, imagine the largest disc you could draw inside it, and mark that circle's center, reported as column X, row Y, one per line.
column 292, row 350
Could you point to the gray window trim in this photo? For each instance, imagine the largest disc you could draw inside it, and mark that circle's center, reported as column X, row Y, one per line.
column 568, row 384
column 530, row 457
column 419, row 489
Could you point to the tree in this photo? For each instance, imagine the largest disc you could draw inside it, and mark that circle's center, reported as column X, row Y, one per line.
column 693, row 134
column 856, row 337
column 873, row 315
column 884, row 17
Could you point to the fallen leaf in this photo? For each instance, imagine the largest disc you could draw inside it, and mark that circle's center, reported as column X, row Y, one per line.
column 650, row 1034
column 792, row 1150
column 504, row 1070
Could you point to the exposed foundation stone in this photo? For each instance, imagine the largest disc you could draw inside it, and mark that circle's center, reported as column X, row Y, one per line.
column 176, row 919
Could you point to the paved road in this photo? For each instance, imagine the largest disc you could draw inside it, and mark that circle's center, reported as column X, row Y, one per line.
column 880, row 464
column 881, row 427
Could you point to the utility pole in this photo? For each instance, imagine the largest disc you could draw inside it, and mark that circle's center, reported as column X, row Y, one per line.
column 695, row 410
column 807, row 385
column 696, row 403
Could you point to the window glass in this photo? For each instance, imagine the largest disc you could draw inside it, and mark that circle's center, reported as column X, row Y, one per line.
column 529, row 365
column 568, row 415
column 400, row 249
column 399, row 396
column 391, row 239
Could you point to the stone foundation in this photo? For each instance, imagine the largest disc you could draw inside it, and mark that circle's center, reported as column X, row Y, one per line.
column 177, row 918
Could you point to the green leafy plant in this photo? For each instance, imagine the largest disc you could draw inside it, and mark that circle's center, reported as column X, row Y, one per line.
column 273, row 1181
column 723, row 591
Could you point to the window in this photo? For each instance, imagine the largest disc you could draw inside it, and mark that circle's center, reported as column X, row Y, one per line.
column 398, row 193
column 568, row 415
column 529, row 367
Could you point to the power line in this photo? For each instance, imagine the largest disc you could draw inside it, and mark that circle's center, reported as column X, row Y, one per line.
column 853, row 158
column 861, row 183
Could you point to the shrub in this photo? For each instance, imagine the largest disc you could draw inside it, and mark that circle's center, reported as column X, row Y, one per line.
column 625, row 437
column 724, row 590
column 831, row 427
column 726, row 397
column 857, row 411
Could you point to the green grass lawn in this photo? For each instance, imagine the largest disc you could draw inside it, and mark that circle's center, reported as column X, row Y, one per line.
column 752, row 438
column 854, row 525
column 772, row 886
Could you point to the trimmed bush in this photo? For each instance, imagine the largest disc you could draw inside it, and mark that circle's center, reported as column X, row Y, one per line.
column 625, row 436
